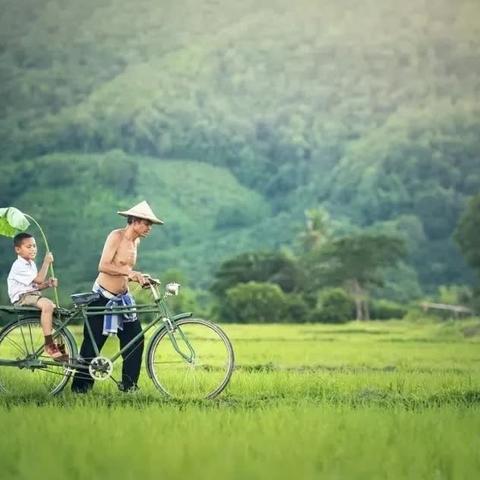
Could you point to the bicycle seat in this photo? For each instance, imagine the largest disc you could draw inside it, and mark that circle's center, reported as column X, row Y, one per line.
column 84, row 298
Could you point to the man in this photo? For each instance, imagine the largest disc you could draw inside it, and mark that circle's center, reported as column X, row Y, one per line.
column 115, row 271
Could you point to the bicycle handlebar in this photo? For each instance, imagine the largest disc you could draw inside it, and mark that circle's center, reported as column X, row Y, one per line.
column 171, row 288
column 151, row 281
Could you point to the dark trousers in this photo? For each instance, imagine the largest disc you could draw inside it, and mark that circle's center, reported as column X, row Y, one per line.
column 132, row 357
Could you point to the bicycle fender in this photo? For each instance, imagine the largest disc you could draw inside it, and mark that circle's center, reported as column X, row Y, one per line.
column 182, row 315
column 18, row 319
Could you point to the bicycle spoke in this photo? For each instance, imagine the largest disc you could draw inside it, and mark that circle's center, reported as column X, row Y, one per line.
column 31, row 338
column 24, row 341
column 16, row 345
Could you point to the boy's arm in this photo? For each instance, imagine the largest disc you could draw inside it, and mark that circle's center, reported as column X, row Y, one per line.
column 51, row 282
column 106, row 264
column 42, row 274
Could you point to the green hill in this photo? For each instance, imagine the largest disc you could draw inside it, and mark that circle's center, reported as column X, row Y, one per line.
column 75, row 198
column 366, row 108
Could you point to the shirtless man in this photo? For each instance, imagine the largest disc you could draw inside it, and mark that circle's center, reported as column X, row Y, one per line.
column 115, row 271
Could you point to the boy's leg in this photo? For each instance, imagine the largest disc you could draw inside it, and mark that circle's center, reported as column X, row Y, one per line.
column 46, row 321
column 82, row 381
column 46, row 318
column 132, row 358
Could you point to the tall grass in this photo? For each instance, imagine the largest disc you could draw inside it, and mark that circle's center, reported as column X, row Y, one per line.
column 391, row 400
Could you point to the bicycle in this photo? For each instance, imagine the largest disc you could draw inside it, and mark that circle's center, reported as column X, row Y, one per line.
column 185, row 357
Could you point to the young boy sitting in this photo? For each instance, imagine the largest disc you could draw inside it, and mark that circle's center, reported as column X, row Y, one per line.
column 25, row 283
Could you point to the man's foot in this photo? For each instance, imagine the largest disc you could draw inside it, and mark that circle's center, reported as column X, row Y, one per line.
column 129, row 388
column 54, row 352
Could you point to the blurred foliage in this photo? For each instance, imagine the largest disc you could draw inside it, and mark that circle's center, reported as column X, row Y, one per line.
column 79, row 212
column 454, row 294
column 387, row 310
column 468, row 232
column 357, row 258
column 356, row 262
column 334, row 280
column 234, row 120
column 413, row 172
column 270, row 267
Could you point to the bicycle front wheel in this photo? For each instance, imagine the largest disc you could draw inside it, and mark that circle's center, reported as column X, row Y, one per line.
column 202, row 369
column 23, row 371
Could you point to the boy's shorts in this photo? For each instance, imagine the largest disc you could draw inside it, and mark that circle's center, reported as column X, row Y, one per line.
column 28, row 299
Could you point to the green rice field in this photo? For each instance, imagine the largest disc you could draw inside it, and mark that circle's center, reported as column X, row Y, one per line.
column 382, row 400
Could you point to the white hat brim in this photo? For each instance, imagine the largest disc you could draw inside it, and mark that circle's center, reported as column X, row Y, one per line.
column 143, row 211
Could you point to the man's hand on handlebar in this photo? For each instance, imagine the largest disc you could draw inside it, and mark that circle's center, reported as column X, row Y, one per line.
column 150, row 281
column 144, row 279
column 138, row 277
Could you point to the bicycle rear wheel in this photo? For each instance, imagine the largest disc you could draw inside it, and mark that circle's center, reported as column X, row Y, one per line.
column 205, row 375
column 28, row 373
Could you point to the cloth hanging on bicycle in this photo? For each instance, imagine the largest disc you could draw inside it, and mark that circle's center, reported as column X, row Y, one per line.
column 112, row 322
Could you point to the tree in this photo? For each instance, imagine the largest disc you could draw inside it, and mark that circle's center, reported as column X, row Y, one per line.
column 273, row 267
column 467, row 233
column 317, row 229
column 355, row 262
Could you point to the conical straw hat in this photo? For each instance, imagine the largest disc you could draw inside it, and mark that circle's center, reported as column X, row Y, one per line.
column 142, row 210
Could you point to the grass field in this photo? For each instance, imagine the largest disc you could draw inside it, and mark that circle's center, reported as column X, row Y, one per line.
column 361, row 400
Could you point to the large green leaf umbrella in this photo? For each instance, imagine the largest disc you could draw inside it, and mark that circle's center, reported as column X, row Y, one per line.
column 13, row 221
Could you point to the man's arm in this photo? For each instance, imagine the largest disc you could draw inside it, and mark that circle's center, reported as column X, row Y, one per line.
column 106, row 264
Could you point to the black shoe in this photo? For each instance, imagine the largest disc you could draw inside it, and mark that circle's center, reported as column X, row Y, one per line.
column 128, row 388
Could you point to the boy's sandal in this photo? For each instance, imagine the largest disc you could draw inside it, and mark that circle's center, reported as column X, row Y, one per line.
column 54, row 352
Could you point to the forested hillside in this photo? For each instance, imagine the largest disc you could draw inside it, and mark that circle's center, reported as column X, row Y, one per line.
column 233, row 118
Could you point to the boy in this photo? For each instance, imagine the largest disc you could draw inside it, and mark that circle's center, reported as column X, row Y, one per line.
column 25, row 283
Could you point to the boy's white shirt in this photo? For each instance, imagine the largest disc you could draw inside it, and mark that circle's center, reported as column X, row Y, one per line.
column 20, row 278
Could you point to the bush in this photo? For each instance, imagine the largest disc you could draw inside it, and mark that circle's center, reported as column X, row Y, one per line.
column 254, row 302
column 386, row 310
column 297, row 310
column 334, row 306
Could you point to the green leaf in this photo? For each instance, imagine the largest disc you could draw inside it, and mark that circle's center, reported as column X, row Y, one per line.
column 12, row 221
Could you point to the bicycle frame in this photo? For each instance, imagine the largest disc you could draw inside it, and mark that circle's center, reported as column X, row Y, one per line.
column 159, row 307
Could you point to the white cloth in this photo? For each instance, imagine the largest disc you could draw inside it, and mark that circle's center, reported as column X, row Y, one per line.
column 20, row 278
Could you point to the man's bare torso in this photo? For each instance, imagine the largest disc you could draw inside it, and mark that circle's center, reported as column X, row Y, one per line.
column 122, row 253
